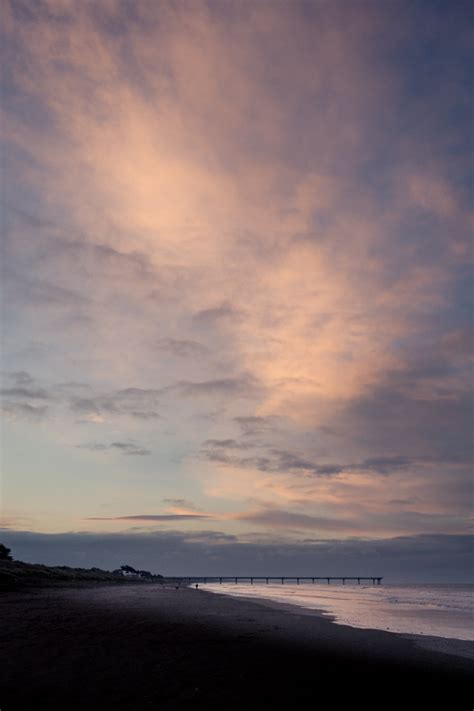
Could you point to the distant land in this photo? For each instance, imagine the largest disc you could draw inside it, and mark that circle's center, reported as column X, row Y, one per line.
column 15, row 575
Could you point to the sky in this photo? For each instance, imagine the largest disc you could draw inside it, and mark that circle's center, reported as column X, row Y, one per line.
column 237, row 322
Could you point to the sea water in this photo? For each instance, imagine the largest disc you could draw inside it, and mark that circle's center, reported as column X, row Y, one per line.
column 440, row 610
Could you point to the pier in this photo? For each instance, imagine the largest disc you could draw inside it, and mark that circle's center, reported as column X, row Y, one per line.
column 273, row 578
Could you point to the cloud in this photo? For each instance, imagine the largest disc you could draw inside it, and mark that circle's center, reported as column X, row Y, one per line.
column 20, row 397
column 241, row 386
column 139, row 403
column 37, row 294
column 20, row 378
column 414, row 521
column 80, row 398
column 25, row 393
column 433, row 428
column 212, row 316
column 288, row 520
column 294, row 272
column 224, row 444
column 150, row 517
column 424, row 558
column 251, row 425
column 19, row 410
column 385, row 465
column 270, row 459
column 183, row 348
column 128, row 448
column 180, row 503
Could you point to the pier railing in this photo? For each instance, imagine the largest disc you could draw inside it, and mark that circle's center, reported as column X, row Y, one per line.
column 272, row 578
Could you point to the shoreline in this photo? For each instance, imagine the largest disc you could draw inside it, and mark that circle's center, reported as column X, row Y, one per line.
column 446, row 645
column 154, row 647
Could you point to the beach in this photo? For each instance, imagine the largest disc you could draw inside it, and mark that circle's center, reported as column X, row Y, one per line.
column 157, row 647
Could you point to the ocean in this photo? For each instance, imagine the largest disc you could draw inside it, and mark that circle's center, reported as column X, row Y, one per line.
column 437, row 609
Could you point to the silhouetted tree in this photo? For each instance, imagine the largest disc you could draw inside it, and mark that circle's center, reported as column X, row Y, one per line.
column 128, row 570
column 5, row 553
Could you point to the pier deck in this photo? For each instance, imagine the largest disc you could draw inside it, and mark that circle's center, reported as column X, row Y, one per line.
column 273, row 578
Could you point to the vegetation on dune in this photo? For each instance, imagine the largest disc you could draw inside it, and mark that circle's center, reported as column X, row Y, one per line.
column 15, row 574
column 4, row 553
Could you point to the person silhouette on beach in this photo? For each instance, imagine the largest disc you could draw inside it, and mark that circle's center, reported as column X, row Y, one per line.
column 197, row 586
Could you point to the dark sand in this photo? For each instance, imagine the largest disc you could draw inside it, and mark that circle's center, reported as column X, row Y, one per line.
column 150, row 647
